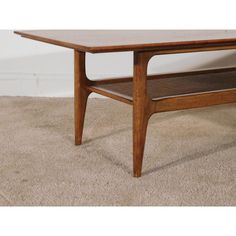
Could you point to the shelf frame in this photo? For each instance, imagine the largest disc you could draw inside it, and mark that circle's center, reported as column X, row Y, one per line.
column 144, row 106
column 98, row 86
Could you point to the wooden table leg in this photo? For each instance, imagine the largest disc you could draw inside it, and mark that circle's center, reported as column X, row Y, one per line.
column 141, row 110
column 80, row 94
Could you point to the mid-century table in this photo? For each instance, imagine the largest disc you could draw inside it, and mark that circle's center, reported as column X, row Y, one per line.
column 148, row 94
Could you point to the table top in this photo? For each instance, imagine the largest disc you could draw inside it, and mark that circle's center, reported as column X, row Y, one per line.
column 97, row 41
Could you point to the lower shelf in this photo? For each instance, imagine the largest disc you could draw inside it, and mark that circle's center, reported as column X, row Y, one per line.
column 174, row 85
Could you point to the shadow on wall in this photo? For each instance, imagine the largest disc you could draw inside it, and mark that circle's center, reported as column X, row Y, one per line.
column 51, row 74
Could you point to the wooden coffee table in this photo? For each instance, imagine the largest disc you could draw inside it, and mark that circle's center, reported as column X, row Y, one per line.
column 148, row 94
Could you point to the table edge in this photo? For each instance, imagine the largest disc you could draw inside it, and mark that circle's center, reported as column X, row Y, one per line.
column 133, row 47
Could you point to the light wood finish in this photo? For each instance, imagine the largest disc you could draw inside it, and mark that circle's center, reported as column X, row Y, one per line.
column 147, row 94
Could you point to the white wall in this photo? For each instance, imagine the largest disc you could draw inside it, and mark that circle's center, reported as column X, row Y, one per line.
column 30, row 68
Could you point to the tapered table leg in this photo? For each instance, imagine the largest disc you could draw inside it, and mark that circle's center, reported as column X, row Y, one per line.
column 80, row 94
column 141, row 110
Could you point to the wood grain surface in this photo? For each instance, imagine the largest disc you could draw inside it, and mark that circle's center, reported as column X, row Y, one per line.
column 96, row 41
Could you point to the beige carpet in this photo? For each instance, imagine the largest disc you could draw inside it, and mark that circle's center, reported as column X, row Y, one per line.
column 190, row 156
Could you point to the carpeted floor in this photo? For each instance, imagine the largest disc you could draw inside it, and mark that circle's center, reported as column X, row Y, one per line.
column 190, row 156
